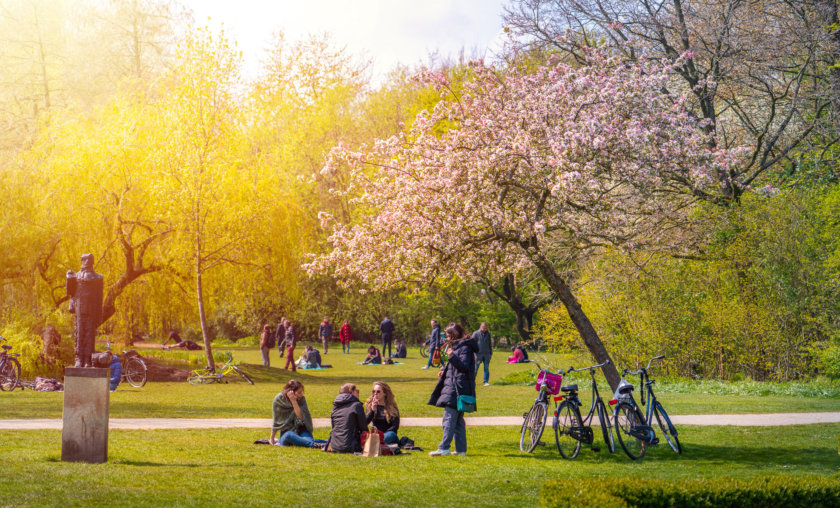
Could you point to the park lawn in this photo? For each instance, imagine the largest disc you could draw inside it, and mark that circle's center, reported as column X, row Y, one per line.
column 222, row 468
column 410, row 383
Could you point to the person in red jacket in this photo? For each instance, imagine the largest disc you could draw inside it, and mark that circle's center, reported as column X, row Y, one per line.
column 345, row 334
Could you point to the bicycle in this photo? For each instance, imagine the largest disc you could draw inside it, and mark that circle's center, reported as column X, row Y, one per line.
column 533, row 424
column 634, row 430
column 573, row 431
column 9, row 369
column 205, row 376
column 134, row 369
column 424, row 349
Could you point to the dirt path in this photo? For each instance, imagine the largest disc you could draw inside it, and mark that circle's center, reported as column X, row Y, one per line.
column 743, row 420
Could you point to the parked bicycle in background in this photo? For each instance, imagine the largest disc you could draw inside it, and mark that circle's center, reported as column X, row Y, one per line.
column 634, row 429
column 9, row 369
column 134, row 369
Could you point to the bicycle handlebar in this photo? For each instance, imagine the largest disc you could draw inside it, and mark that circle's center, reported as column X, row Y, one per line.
column 591, row 367
column 644, row 370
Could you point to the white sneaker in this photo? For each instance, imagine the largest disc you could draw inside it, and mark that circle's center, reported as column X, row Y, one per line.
column 426, row 367
column 438, row 453
column 459, row 453
column 486, row 384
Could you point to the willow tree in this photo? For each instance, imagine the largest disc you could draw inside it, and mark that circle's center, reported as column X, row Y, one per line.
column 537, row 166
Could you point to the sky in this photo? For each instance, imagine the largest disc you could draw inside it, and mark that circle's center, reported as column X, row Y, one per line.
column 387, row 31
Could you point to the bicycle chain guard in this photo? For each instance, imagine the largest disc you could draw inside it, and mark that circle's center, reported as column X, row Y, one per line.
column 582, row 434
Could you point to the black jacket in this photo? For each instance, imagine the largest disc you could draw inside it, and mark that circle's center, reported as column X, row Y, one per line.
column 460, row 372
column 485, row 343
column 380, row 422
column 434, row 339
column 387, row 329
column 348, row 423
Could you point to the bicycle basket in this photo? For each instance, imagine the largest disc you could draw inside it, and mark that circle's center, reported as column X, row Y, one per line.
column 552, row 381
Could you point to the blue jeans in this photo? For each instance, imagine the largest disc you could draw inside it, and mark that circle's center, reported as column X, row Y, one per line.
column 391, row 437
column 486, row 361
column 387, row 342
column 305, row 439
column 343, row 346
column 431, row 353
column 455, row 427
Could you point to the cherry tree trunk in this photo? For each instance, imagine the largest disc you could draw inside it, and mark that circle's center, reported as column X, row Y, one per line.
column 584, row 326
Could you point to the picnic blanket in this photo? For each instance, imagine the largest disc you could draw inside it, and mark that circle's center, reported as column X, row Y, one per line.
column 317, row 368
column 395, row 363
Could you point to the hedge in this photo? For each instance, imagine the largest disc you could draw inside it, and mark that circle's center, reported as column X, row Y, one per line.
column 770, row 491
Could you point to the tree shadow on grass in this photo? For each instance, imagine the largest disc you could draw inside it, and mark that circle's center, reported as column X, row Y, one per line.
column 262, row 374
column 710, row 454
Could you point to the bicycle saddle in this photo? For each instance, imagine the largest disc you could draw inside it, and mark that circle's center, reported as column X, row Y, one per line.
column 7, row 347
column 624, row 390
column 569, row 388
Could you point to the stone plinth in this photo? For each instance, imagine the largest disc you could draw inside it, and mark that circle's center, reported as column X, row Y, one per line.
column 84, row 437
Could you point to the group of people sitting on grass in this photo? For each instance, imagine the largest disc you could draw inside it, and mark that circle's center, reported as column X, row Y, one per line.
column 350, row 418
column 374, row 357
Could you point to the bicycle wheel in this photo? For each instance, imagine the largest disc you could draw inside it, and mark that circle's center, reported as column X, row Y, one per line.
column 606, row 429
column 626, row 417
column 244, row 376
column 568, row 416
column 198, row 377
column 10, row 375
column 424, row 350
column 136, row 372
column 668, row 429
column 532, row 427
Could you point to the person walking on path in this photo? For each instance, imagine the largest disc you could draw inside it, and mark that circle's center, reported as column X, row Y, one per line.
column 456, row 378
column 485, row 351
column 348, row 421
column 434, row 342
column 387, row 329
column 325, row 332
column 292, row 419
column 266, row 343
column 345, row 334
column 280, row 335
column 289, row 344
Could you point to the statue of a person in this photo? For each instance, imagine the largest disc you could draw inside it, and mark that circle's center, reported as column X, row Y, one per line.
column 85, row 289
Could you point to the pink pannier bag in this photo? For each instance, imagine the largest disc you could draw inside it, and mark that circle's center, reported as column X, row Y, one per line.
column 553, row 381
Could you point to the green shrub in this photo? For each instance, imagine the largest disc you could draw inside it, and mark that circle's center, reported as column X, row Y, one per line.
column 775, row 490
column 828, row 361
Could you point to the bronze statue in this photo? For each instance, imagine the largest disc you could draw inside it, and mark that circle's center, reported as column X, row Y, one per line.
column 85, row 289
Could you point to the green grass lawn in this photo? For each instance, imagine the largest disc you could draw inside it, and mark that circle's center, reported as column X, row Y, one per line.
column 411, row 385
column 223, row 468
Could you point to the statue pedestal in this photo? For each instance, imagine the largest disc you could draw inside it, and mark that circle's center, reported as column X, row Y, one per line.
column 84, row 437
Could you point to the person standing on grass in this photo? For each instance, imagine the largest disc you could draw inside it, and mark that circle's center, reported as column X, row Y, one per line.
column 456, row 378
column 434, row 341
column 292, row 419
column 348, row 421
column 345, row 334
column 325, row 332
column 289, row 344
column 485, row 351
column 280, row 335
column 266, row 343
column 386, row 327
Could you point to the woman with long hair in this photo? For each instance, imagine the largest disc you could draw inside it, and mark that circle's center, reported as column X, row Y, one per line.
column 383, row 412
column 456, row 378
column 292, row 419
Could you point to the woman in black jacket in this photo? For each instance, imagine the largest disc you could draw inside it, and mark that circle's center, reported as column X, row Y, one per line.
column 456, row 378
column 348, row 421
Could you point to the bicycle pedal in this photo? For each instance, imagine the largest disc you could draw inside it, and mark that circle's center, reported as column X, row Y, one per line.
column 595, row 449
column 654, row 441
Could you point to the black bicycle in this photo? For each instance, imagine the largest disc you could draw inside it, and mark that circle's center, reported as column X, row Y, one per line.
column 569, row 429
column 9, row 369
column 533, row 424
column 134, row 369
column 634, row 429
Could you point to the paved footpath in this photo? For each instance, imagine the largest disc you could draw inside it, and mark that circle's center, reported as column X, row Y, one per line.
column 743, row 420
